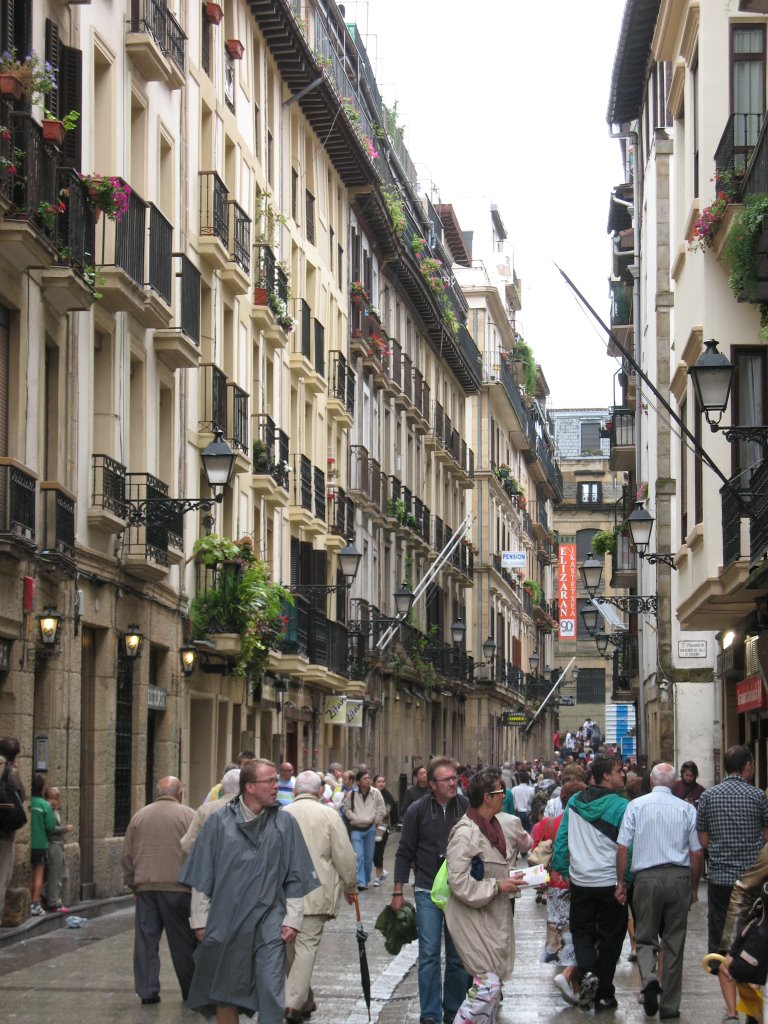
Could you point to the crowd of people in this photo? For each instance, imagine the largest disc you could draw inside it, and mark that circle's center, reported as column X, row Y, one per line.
column 244, row 886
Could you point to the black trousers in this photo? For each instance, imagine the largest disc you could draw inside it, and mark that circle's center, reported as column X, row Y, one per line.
column 598, row 927
column 157, row 912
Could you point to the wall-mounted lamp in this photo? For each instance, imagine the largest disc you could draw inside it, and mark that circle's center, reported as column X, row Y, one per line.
column 130, row 642
column 188, row 658
column 48, row 624
column 712, row 377
column 5, row 655
column 533, row 661
column 640, row 525
column 458, row 631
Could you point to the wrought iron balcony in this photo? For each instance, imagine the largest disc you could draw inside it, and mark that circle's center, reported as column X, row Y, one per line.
column 154, row 35
column 18, row 488
column 341, row 514
column 237, row 434
column 366, row 479
column 310, row 633
column 146, row 549
column 58, row 520
column 622, row 317
column 240, row 234
column 270, row 450
column 734, row 152
column 214, row 392
column 160, row 277
column 622, row 438
column 108, row 491
column 623, row 563
column 214, row 207
column 758, row 523
column 341, row 382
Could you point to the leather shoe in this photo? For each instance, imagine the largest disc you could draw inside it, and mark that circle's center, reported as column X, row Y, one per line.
column 150, row 999
column 295, row 1016
column 669, row 1016
column 651, row 998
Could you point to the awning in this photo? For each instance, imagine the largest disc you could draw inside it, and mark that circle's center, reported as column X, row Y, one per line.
column 610, row 614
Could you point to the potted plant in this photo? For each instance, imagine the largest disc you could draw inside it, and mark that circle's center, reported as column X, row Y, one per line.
column 213, row 549
column 533, row 587
column 280, row 308
column 30, row 78
column 54, row 129
column 107, row 194
column 603, row 542
column 359, row 294
column 213, row 13
column 49, row 212
column 235, row 49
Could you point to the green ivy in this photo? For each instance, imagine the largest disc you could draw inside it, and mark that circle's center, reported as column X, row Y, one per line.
column 741, row 246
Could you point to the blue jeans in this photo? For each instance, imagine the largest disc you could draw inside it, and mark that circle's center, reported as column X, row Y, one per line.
column 363, row 843
column 431, row 923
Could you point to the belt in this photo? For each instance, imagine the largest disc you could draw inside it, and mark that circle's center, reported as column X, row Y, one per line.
column 361, row 828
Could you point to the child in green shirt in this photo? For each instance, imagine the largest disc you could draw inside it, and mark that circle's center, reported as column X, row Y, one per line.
column 43, row 825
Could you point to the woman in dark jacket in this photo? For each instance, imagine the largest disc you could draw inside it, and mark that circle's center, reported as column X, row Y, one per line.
column 686, row 787
column 382, row 833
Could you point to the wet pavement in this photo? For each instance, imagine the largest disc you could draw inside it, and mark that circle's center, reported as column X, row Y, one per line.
column 85, row 975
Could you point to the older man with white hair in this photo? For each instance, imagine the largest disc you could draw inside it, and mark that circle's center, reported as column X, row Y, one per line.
column 230, row 786
column 666, row 862
column 336, row 867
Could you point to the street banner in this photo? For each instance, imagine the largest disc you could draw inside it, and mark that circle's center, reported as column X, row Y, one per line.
column 566, row 591
column 355, row 714
column 335, row 711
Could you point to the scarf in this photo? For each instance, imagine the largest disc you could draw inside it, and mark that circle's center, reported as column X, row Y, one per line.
column 490, row 828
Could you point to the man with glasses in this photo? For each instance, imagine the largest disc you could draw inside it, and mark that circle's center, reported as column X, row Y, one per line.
column 426, row 827
column 249, row 872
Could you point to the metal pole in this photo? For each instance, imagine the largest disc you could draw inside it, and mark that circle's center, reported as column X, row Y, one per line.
column 546, row 699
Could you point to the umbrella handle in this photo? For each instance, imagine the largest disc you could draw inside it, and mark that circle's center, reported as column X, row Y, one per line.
column 357, row 909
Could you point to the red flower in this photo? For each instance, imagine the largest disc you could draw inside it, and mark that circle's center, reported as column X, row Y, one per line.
column 5, row 135
column 11, row 168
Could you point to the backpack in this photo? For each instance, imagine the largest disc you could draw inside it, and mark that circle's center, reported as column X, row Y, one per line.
column 12, row 813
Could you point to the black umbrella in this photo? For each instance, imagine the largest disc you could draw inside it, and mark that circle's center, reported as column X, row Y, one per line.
column 365, row 974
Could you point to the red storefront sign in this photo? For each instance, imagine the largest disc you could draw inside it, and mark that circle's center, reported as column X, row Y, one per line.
column 566, row 591
column 750, row 694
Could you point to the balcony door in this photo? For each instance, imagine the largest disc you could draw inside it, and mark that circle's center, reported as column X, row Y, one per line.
column 749, row 408
column 747, row 88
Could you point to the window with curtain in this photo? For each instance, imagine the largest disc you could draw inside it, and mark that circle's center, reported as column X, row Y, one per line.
column 748, row 409
column 589, row 493
column 590, row 437
column 747, row 87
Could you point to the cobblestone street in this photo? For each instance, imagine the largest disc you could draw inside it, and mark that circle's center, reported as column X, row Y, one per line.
column 85, row 975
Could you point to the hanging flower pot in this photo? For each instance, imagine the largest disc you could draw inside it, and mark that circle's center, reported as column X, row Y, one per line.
column 53, row 132
column 235, row 49
column 10, row 86
column 213, row 14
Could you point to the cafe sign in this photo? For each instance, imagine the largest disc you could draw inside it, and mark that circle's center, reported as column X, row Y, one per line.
column 750, row 694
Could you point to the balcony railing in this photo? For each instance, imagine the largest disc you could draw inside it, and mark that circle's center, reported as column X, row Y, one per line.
column 267, row 269
column 622, row 428
column 270, row 450
column 237, row 434
column 311, row 633
column 341, row 382
column 17, row 501
column 148, row 542
column 305, row 337
column 59, row 520
column 734, row 151
column 319, row 361
column 302, row 482
column 176, row 41
column 153, row 16
column 214, row 208
column 160, row 254
column 341, row 514
column 318, row 486
column 758, row 523
column 310, row 218
column 109, row 485
column 240, row 233
column 756, row 174
column 189, row 318
column 512, row 390
column 621, row 304
column 121, row 243
column 214, row 393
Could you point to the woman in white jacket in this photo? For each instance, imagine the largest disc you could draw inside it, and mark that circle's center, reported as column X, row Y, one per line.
column 479, row 913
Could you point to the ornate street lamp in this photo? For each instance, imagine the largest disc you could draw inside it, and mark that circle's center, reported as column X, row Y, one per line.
column 48, row 624
column 458, row 630
column 188, row 658
column 349, row 561
column 640, row 525
column 591, row 575
column 712, row 377
column 404, row 598
column 130, row 642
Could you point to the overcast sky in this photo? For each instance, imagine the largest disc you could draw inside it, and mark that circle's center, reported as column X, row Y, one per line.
column 506, row 99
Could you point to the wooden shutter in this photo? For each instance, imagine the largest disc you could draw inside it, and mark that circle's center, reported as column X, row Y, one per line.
column 53, row 56
column 295, row 555
column 306, row 578
column 319, row 570
column 71, row 98
column 5, row 363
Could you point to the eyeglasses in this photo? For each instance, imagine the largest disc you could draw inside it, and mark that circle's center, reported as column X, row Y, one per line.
column 448, row 778
column 265, row 782
column 497, row 792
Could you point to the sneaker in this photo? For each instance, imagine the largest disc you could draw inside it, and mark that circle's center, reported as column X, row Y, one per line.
column 651, row 998
column 376, row 881
column 36, row 910
column 589, row 985
column 384, row 874
column 563, row 987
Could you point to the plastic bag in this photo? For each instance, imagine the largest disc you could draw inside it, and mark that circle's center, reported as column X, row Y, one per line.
column 440, row 888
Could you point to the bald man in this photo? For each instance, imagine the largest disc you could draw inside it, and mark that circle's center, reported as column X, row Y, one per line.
column 152, row 861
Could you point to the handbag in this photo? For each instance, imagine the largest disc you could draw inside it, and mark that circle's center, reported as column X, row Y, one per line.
column 543, row 852
column 749, row 949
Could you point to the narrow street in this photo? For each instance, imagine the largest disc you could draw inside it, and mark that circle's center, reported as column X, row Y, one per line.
column 85, row 975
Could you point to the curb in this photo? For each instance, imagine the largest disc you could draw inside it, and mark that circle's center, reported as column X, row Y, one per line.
column 34, row 927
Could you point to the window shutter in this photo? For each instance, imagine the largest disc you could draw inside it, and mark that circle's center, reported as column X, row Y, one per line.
column 53, row 57
column 295, row 551
column 71, row 98
column 305, row 564
column 319, row 570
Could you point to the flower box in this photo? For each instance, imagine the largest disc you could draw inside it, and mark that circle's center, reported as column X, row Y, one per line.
column 53, row 133
column 259, row 296
column 10, row 86
column 235, row 49
column 213, row 14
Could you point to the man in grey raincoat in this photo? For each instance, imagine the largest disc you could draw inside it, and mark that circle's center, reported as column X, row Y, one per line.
column 249, row 872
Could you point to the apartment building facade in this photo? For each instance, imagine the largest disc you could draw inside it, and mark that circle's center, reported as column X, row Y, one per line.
column 689, row 129
column 275, row 279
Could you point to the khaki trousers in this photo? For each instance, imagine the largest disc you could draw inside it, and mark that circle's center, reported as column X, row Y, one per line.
column 300, row 960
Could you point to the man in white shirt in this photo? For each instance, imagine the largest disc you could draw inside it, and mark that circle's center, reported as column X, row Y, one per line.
column 522, row 797
column 666, row 862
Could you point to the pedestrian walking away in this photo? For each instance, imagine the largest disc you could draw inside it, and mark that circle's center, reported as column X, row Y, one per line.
column 152, row 859
column 732, row 822
column 423, row 843
column 666, row 863
column 336, row 866
column 585, row 852
column 249, row 871
column 9, row 772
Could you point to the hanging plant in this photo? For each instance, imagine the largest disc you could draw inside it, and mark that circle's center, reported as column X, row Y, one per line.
column 740, row 251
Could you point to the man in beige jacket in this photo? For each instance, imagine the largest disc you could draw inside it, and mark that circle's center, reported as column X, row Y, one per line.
column 230, row 786
column 336, row 867
column 152, row 862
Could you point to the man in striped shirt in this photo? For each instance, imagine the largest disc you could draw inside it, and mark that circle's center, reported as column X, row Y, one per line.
column 286, row 780
column 666, row 862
